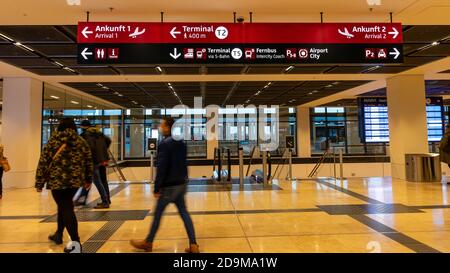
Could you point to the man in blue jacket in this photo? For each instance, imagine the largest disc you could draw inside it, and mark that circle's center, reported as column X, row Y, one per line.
column 170, row 186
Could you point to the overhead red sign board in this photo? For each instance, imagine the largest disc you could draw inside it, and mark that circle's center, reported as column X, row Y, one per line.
column 248, row 33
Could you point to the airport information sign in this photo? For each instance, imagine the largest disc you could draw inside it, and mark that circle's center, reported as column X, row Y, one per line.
column 239, row 43
column 374, row 125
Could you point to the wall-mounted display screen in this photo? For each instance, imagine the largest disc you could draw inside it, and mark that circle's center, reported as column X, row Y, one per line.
column 374, row 125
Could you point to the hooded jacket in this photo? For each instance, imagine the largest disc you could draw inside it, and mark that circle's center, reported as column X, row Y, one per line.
column 99, row 144
column 71, row 168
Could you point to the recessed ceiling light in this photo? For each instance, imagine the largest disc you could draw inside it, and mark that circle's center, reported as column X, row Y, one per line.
column 373, row 2
column 159, row 69
column 135, row 102
column 89, row 106
column 73, row 2
column 289, row 68
column 23, row 46
column 435, row 43
column 69, row 69
column 54, row 97
column 6, row 37
column 105, row 87
column 74, row 102
column 315, row 91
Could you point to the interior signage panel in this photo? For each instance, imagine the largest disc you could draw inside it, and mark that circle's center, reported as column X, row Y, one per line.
column 222, row 43
column 238, row 53
column 235, row 33
column 374, row 125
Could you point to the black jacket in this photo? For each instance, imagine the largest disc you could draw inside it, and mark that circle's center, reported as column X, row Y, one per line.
column 99, row 144
column 171, row 163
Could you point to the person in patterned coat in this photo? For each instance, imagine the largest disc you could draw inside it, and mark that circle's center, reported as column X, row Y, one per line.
column 65, row 165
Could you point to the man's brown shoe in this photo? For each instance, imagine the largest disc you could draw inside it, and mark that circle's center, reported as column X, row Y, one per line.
column 193, row 248
column 142, row 244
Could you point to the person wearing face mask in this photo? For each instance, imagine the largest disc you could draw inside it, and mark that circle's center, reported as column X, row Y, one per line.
column 170, row 186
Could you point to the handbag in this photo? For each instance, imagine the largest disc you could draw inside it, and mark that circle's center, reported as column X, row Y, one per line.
column 60, row 149
column 5, row 164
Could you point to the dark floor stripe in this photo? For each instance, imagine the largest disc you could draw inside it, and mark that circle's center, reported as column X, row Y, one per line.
column 23, row 217
column 93, row 244
column 221, row 212
column 113, row 192
column 393, row 234
column 431, row 207
column 349, row 192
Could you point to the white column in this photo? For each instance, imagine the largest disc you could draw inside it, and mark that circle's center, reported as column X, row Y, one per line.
column 21, row 132
column 407, row 120
column 303, row 132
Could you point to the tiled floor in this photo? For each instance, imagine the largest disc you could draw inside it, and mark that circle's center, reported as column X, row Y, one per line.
column 357, row 215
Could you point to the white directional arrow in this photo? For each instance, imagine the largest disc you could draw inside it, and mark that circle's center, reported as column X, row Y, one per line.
column 396, row 53
column 174, row 31
column 175, row 54
column 394, row 32
column 86, row 31
column 85, row 53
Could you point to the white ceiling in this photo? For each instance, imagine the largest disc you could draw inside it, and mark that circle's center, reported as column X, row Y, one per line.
column 57, row 12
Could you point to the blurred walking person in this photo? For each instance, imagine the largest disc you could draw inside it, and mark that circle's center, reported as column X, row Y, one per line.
column 65, row 165
column 4, row 167
column 444, row 147
column 99, row 144
column 170, row 186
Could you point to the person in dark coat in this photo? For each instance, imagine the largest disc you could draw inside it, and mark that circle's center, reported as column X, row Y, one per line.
column 170, row 186
column 99, row 144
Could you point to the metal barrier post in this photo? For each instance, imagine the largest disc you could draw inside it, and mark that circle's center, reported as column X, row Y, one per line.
column 290, row 165
column 341, row 164
column 264, row 167
column 219, row 164
column 334, row 163
column 152, row 168
column 241, row 167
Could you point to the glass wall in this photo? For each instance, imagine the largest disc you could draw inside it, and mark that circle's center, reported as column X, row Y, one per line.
column 58, row 103
column 339, row 127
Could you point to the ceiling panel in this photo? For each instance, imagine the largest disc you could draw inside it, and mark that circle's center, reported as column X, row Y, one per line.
column 10, row 50
column 266, row 69
column 418, row 60
column 30, row 62
column 56, row 50
column 150, row 70
column 49, row 71
column 425, row 34
column 95, row 71
column 224, row 69
column 35, row 34
column 182, row 70
column 438, row 50
column 346, row 69
column 309, row 69
column 390, row 69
